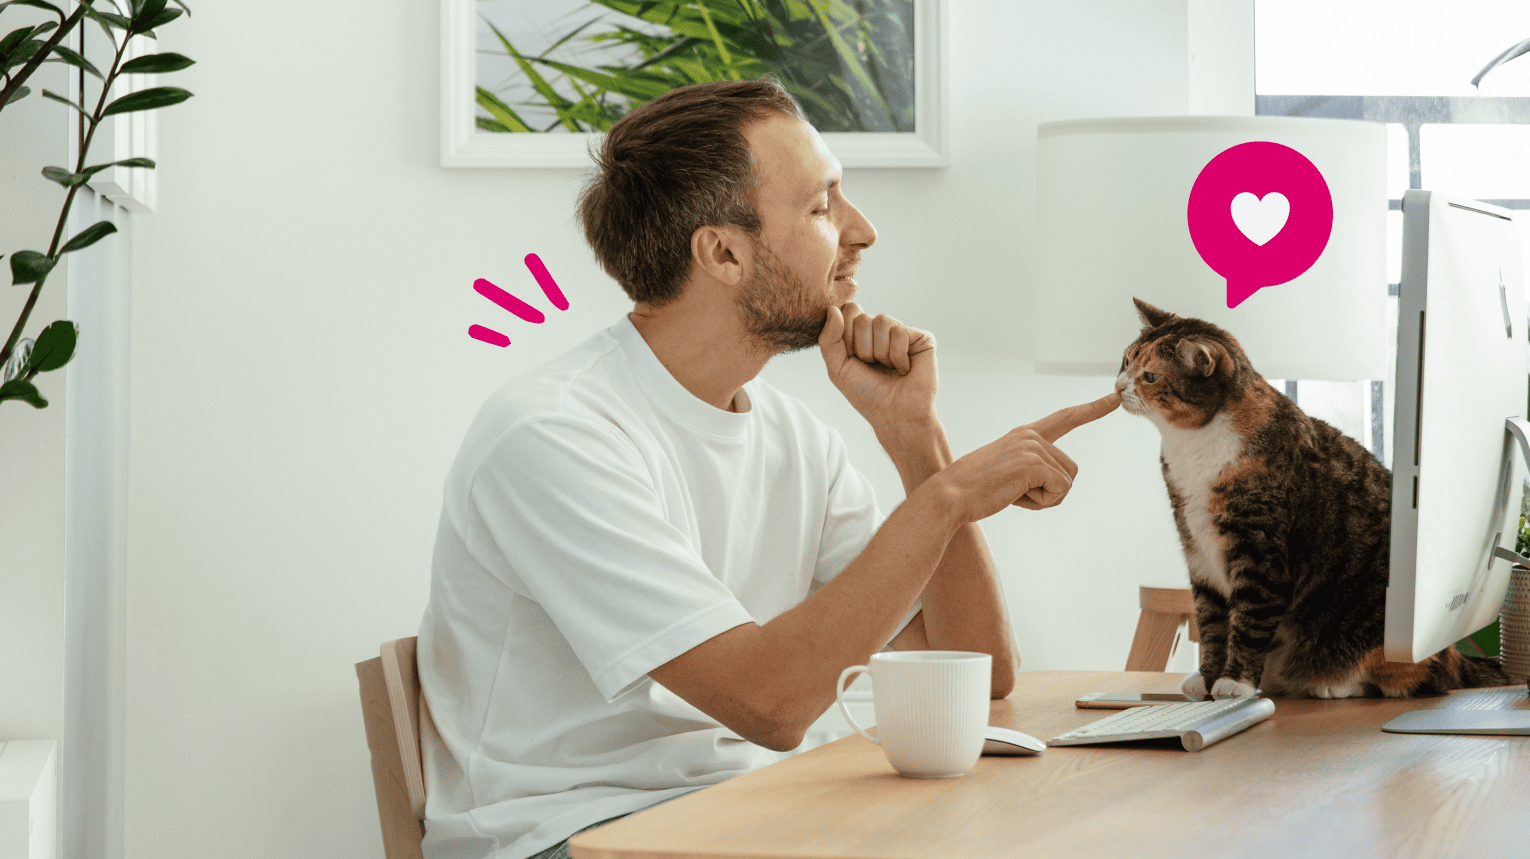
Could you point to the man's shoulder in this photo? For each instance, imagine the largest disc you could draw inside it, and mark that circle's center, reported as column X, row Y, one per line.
column 584, row 387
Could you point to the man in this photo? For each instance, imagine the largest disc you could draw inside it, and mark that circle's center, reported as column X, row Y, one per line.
column 651, row 566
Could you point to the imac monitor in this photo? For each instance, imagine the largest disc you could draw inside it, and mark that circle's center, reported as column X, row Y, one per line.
column 1462, row 362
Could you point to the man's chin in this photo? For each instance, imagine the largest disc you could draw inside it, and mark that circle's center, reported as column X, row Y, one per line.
column 790, row 334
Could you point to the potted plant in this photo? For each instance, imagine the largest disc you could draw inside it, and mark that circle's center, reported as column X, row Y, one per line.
column 22, row 52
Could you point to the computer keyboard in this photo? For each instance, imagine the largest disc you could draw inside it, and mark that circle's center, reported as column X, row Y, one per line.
column 1197, row 724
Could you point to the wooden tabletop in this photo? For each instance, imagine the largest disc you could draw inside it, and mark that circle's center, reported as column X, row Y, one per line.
column 1317, row 779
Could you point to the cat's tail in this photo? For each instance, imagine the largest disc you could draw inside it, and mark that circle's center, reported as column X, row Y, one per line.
column 1475, row 671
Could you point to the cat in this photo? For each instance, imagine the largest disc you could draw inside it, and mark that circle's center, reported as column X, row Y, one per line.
column 1285, row 524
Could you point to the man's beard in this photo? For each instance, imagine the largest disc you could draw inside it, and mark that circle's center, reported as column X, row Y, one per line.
column 780, row 313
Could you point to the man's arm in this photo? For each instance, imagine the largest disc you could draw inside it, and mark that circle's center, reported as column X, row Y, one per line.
column 769, row 683
column 963, row 602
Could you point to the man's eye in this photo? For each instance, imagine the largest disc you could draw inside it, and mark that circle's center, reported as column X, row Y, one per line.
column 1150, row 378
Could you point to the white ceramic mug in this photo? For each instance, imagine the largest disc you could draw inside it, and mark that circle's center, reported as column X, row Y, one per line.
column 931, row 709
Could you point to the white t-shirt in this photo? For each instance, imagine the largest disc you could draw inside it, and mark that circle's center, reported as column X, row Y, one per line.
column 600, row 520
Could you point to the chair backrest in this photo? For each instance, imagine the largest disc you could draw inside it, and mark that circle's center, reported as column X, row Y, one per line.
column 391, row 709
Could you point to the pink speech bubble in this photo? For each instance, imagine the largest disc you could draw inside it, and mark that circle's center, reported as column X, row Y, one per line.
column 1235, row 216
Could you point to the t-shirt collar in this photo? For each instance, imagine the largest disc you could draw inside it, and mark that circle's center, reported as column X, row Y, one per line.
column 671, row 396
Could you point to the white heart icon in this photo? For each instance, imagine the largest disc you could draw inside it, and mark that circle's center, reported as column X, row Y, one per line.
column 1258, row 219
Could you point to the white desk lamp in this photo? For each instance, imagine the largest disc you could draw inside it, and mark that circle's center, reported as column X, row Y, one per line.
column 1111, row 206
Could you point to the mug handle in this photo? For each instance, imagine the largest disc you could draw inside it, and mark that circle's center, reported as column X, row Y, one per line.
column 839, row 695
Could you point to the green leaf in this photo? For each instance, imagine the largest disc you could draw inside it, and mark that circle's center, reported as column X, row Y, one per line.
column 543, row 88
column 126, row 162
column 145, row 11
column 148, row 99
column 164, row 18
column 501, row 112
column 65, row 55
column 625, row 84
column 13, row 38
column 153, row 64
column 69, row 180
column 847, row 53
column 18, row 389
column 88, row 236
column 106, row 25
column 30, row 266
column 53, row 349
column 61, row 100
column 20, row 93
column 121, row 22
column 23, row 52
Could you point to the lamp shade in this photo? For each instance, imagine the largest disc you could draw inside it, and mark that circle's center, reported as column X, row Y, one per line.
column 1179, row 212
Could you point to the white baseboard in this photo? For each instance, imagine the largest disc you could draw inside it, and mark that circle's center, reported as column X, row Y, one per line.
column 29, row 799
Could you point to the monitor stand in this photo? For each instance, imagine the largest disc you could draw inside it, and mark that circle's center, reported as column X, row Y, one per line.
column 1505, row 723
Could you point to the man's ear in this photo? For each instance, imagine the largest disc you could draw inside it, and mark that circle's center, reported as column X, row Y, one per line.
column 723, row 252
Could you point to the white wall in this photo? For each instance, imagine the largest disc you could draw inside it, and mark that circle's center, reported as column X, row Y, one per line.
column 33, row 134
column 301, row 377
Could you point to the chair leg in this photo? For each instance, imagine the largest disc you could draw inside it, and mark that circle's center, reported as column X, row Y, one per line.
column 1154, row 640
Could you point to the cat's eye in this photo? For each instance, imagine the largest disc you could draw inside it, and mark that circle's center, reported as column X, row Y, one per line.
column 1150, row 378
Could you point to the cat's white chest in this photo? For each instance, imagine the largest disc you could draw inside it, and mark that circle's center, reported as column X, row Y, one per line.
column 1195, row 459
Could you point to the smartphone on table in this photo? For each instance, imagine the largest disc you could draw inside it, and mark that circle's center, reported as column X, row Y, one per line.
column 1123, row 700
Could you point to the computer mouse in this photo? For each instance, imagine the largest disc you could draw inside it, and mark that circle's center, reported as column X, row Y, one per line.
column 1003, row 741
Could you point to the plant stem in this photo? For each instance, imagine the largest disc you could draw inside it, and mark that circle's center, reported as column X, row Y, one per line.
column 63, row 215
column 42, row 54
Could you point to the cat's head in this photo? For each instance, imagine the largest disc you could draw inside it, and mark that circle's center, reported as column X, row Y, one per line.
column 1182, row 372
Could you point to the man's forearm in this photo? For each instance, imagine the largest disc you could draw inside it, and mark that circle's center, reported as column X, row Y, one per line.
column 963, row 602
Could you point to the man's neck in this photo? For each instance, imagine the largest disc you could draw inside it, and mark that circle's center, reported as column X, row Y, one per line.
column 704, row 348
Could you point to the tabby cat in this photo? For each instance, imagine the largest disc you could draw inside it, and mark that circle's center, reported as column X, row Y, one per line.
column 1285, row 526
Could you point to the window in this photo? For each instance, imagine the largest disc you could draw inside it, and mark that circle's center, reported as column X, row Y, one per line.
column 1409, row 64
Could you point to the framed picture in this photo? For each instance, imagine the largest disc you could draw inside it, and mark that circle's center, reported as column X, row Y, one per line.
column 535, row 84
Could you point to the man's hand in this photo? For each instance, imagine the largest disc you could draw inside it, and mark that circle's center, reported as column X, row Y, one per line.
column 884, row 368
column 1023, row 467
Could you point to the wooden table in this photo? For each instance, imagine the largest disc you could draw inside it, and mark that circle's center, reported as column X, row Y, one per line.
column 1317, row 779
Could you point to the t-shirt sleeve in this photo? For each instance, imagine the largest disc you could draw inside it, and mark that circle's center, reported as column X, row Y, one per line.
column 851, row 516
column 850, row 520
column 574, row 512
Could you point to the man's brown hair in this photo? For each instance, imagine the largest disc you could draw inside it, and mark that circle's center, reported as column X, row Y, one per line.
column 677, row 163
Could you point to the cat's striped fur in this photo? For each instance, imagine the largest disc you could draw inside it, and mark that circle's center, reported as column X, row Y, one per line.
column 1285, row 526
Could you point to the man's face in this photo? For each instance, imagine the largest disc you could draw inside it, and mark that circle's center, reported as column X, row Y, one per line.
column 810, row 238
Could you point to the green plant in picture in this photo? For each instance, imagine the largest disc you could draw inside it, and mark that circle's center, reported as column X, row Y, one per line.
column 22, row 52
column 850, row 63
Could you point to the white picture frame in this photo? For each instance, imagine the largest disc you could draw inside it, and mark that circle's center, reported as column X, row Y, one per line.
column 464, row 145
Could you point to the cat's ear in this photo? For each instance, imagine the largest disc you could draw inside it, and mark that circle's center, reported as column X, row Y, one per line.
column 1203, row 358
column 1151, row 316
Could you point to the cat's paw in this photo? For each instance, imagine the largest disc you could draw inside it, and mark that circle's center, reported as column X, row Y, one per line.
column 1226, row 687
column 1194, row 685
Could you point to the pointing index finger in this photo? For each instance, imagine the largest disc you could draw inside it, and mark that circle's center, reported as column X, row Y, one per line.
column 1061, row 422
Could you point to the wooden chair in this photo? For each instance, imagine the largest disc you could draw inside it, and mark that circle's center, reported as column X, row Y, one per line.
column 392, row 709
column 1164, row 610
